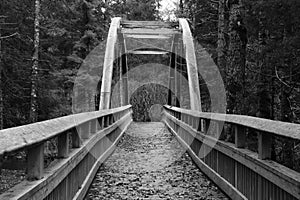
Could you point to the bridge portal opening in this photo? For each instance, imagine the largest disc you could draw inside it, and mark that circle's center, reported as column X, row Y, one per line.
column 147, row 100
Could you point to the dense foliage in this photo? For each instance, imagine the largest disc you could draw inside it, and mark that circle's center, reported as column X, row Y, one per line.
column 69, row 31
column 256, row 45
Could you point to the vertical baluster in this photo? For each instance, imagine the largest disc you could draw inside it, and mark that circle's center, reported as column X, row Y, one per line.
column 240, row 136
column 206, row 125
column 35, row 162
column 111, row 119
column 93, row 124
column 219, row 129
column 196, row 123
column 106, row 121
column 192, row 121
column 75, row 138
column 199, row 128
column 98, row 125
column 264, row 145
column 63, row 145
column 84, row 130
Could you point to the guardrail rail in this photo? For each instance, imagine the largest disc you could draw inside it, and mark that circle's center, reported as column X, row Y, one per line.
column 239, row 172
column 85, row 141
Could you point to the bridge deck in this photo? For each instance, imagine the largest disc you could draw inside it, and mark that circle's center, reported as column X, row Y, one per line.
column 150, row 163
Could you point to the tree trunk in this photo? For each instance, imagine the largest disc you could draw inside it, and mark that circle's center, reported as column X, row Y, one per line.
column 264, row 99
column 263, row 88
column 181, row 7
column 222, row 31
column 1, row 85
column 236, row 59
column 35, row 58
column 286, row 116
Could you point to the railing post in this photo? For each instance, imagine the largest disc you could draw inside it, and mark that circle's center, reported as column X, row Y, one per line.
column 240, row 136
column 84, row 130
column 116, row 116
column 206, row 123
column 63, row 145
column 264, row 145
column 188, row 120
column 196, row 123
column 93, row 126
column 193, row 122
column 112, row 119
column 101, row 122
column 35, row 162
column 219, row 128
column 98, row 125
column 199, row 128
column 106, row 121
column 76, row 142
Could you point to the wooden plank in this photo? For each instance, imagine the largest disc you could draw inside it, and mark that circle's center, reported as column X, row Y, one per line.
column 63, row 145
column 21, row 137
column 206, row 123
column 84, row 131
column 283, row 177
column 59, row 169
column 76, row 141
column 35, row 162
column 230, row 190
column 240, row 136
column 264, row 145
column 86, row 184
column 93, row 126
column 279, row 128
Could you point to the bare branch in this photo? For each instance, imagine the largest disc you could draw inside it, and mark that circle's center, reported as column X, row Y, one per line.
column 8, row 36
column 284, row 83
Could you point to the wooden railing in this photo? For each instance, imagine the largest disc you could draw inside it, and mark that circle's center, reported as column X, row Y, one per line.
column 239, row 172
column 93, row 137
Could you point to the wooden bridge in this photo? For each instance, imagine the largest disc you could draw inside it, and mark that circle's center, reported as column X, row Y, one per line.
column 86, row 140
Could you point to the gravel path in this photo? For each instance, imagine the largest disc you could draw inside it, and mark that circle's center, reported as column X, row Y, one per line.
column 149, row 163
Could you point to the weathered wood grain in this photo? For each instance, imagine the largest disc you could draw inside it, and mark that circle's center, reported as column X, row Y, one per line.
column 22, row 137
column 289, row 130
column 231, row 191
column 61, row 168
column 279, row 175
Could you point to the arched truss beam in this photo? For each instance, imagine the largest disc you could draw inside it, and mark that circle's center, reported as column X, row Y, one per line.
column 109, row 58
column 191, row 61
column 123, row 71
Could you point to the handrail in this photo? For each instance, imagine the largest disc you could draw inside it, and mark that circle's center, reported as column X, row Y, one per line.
column 84, row 142
column 239, row 172
column 279, row 128
column 22, row 137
